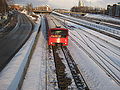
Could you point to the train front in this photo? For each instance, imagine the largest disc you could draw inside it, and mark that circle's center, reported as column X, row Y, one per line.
column 58, row 36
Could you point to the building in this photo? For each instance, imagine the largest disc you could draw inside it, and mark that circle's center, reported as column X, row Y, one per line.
column 113, row 10
column 117, row 12
column 42, row 9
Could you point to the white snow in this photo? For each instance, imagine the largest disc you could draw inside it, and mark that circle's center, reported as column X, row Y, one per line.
column 98, row 35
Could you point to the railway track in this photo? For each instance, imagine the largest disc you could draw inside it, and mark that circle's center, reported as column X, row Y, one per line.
column 78, row 78
column 103, row 63
column 63, row 81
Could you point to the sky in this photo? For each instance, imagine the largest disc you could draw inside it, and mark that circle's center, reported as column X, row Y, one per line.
column 67, row 4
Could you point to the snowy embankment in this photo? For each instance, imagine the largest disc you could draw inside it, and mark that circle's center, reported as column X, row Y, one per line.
column 102, row 17
column 10, row 77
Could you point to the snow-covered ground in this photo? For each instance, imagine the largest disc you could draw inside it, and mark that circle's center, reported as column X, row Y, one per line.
column 95, row 54
column 68, row 73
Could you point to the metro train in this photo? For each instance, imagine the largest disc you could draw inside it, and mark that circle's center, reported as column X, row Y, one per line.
column 57, row 34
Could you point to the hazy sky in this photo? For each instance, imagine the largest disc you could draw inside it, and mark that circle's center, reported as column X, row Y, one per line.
column 70, row 3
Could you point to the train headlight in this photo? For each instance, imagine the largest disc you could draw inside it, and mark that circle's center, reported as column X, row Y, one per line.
column 58, row 40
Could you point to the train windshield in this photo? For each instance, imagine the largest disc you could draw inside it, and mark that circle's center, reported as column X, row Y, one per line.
column 59, row 33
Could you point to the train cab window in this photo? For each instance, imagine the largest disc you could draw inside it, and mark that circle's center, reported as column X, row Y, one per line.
column 59, row 33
